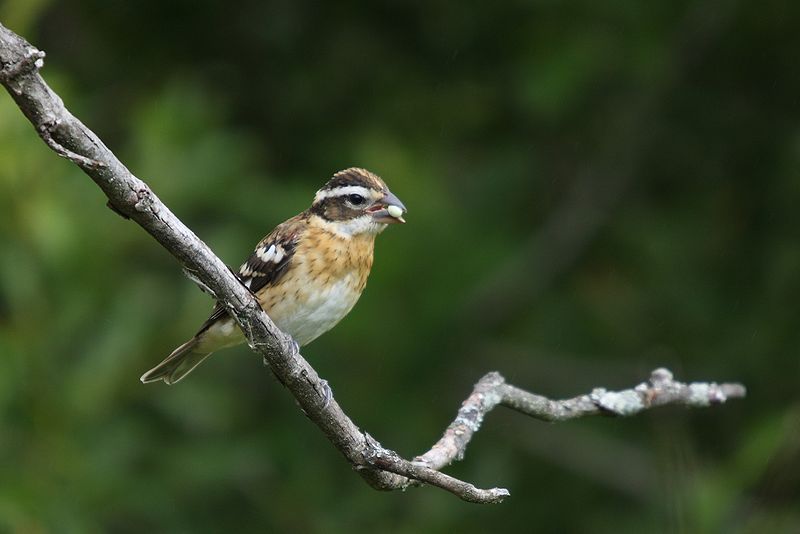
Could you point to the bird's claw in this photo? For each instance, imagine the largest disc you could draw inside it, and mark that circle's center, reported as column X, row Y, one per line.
column 327, row 393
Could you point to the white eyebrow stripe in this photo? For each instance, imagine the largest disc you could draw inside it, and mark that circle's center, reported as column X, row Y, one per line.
column 341, row 191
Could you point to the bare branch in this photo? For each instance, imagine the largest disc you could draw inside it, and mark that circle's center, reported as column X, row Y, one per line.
column 381, row 468
column 417, row 471
column 492, row 390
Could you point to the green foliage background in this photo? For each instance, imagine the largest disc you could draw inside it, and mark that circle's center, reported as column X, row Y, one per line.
column 595, row 189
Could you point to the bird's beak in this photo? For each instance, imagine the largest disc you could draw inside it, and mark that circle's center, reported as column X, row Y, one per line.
column 388, row 209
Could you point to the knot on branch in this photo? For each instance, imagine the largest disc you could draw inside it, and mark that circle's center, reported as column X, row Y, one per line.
column 660, row 389
column 374, row 453
column 31, row 61
column 375, row 456
column 144, row 199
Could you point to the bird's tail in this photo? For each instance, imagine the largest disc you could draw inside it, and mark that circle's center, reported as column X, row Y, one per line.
column 178, row 364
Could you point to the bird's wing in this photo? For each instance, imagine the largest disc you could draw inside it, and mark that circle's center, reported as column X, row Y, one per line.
column 265, row 266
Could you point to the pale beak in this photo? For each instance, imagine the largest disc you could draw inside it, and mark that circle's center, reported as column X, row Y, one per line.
column 388, row 210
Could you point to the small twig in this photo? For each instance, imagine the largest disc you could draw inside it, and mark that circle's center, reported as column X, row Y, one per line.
column 46, row 133
column 387, row 460
column 21, row 66
column 492, row 390
column 194, row 278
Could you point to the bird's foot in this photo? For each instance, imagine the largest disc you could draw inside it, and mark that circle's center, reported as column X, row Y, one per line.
column 295, row 347
column 327, row 393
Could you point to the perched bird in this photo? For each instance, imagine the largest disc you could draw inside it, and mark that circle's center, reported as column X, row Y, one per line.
column 307, row 273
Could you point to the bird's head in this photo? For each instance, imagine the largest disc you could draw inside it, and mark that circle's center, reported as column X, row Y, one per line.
column 356, row 201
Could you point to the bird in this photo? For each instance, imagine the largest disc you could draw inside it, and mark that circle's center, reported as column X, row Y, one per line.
column 307, row 274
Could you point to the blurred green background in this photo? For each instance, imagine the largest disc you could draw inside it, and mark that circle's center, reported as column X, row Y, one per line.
column 595, row 189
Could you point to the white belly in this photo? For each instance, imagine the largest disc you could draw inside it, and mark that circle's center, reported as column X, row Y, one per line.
column 317, row 311
column 305, row 318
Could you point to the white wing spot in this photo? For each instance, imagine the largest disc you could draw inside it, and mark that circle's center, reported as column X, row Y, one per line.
column 266, row 255
column 274, row 253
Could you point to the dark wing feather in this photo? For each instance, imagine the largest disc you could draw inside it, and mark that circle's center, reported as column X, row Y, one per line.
column 265, row 266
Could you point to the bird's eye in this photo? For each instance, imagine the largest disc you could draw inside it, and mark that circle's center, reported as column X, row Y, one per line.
column 356, row 200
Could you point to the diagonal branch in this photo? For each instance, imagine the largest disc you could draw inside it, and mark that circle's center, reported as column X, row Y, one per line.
column 381, row 468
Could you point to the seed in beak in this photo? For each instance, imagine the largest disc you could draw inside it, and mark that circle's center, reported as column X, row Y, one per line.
column 395, row 211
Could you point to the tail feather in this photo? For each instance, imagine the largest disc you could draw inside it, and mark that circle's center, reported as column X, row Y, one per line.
column 178, row 364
